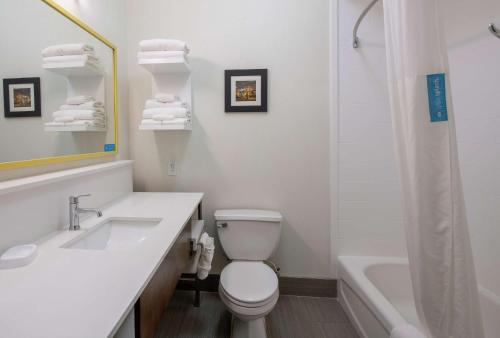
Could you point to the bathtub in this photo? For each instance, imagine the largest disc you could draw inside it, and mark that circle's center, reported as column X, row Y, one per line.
column 376, row 294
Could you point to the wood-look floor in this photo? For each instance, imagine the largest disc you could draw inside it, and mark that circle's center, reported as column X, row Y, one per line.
column 293, row 317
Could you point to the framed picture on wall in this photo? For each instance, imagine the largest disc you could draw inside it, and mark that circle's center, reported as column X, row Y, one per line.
column 21, row 97
column 245, row 90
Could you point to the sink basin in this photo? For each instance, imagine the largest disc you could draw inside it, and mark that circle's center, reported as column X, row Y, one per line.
column 114, row 234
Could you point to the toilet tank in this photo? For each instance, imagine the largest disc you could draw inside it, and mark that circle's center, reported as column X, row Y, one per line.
column 248, row 234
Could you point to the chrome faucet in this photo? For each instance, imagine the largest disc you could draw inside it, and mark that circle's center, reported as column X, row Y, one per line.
column 75, row 211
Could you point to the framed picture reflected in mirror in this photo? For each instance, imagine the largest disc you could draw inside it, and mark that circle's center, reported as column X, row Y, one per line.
column 21, row 97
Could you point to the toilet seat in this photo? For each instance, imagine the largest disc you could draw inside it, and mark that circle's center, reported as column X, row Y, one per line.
column 223, row 293
column 245, row 312
column 249, row 283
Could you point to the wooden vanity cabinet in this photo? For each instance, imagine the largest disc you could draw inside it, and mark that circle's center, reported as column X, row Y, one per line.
column 151, row 304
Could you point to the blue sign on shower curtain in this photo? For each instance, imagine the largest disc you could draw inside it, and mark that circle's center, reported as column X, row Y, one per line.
column 436, row 89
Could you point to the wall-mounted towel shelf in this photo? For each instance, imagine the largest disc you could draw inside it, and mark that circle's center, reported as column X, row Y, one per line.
column 170, row 75
column 75, row 68
column 74, row 129
column 166, row 66
column 164, row 127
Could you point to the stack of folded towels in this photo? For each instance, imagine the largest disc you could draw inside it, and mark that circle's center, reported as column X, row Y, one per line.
column 69, row 53
column 166, row 109
column 79, row 110
column 162, row 49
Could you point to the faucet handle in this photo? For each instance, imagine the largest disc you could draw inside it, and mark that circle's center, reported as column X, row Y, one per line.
column 74, row 199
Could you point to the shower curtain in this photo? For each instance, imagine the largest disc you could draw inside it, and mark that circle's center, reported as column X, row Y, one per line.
column 439, row 250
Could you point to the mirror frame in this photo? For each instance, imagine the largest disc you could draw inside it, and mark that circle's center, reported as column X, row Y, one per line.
column 66, row 158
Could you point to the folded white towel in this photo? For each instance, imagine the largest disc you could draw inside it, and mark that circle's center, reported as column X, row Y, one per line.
column 157, row 104
column 64, row 119
column 77, row 112
column 179, row 122
column 76, row 123
column 163, row 44
column 161, row 54
column 150, row 121
column 94, row 123
column 70, row 58
column 166, row 97
column 175, row 111
column 72, row 119
column 79, row 99
column 81, row 107
column 169, row 119
column 68, row 49
column 406, row 331
column 54, row 124
column 77, row 118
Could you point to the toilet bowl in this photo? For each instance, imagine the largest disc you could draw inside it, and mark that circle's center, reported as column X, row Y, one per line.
column 250, row 291
column 248, row 287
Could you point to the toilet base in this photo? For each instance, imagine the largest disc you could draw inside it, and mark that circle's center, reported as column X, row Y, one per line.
column 248, row 329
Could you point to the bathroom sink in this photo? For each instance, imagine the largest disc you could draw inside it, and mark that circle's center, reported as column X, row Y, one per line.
column 114, row 234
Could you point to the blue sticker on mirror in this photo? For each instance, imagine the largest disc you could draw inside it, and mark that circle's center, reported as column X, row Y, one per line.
column 436, row 90
column 109, row 147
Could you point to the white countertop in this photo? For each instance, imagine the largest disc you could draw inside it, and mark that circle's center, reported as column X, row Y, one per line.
column 87, row 293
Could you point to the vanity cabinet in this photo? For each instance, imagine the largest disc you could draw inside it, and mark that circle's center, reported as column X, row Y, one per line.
column 151, row 304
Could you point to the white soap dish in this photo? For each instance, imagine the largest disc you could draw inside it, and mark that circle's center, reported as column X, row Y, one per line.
column 18, row 256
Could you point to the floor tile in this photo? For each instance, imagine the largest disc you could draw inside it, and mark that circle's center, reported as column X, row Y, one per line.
column 292, row 317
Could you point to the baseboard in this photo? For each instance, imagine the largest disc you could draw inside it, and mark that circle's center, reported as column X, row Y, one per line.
column 311, row 287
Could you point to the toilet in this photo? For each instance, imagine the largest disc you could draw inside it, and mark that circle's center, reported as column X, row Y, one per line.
column 248, row 286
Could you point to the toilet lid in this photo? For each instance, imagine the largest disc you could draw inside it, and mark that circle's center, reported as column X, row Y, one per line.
column 249, row 282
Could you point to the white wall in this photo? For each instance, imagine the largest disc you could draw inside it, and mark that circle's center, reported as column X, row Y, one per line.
column 108, row 18
column 370, row 215
column 277, row 160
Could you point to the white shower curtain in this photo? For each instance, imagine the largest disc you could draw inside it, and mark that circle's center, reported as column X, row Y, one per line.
column 441, row 264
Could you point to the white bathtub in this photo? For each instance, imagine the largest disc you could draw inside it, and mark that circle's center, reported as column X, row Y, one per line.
column 376, row 293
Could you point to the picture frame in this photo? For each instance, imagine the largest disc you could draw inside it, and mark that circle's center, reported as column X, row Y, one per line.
column 245, row 90
column 21, row 97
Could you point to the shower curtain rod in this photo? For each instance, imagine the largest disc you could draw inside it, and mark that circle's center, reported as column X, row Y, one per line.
column 494, row 30
column 355, row 40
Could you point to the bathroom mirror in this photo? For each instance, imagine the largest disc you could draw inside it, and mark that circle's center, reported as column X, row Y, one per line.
column 61, row 105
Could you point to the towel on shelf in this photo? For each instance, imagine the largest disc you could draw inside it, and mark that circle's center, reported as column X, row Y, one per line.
column 179, row 122
column 85, row 106
column 86, row 123
column 177, row 112
column 161, row 54
column 169, row 119
column 64, row 119
column 69, row 118
column 79, row 99
column 150, row 121
column 74, row 112
column 163, row 45
column 406, row 331
column 166, row 97
column 157, row 104
column 70, row 58
column 68, row 49
column 207, row 254
column 76, row 123
column 54, row 124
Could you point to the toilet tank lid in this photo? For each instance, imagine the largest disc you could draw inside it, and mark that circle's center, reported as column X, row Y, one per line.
column 247, row 215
